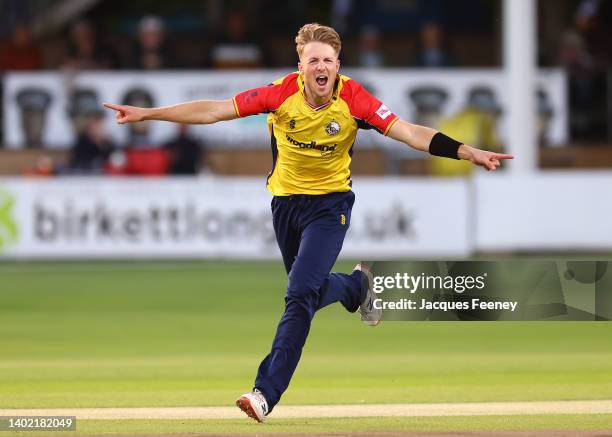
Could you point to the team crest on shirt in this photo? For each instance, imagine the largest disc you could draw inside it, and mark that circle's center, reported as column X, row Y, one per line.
column 292, row 124
column 332, row 128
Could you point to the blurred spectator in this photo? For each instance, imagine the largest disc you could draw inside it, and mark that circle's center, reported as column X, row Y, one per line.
column 21, row 53
column 585, row 52
column 33, row 104
column 83, row 104
column 370, row 55
column 340, row 14
column 92, row 148
column 592, row 20
column 433, row 52
column 185, row 152
column 139, row 133
column 43, row 167
column 141, row 155
column 573, row 53
column 151, row 51
column 84, row 50
column 586, row 84
column 476, row 125
column 237, row 48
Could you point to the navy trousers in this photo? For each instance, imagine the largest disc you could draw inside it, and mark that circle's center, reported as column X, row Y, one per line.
column 310, row 231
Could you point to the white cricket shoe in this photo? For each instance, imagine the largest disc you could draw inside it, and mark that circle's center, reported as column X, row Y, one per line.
column 369, row 315
column 254, row 404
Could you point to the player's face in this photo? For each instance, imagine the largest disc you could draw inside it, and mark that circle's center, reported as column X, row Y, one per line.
column 319, row 64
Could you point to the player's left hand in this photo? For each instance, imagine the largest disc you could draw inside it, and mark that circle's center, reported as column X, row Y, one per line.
column 489, row 160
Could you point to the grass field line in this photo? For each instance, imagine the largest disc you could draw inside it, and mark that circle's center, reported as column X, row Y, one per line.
column 332, row 411
column 110, row 267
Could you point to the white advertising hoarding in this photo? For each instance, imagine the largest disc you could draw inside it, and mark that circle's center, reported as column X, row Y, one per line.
column 230, row 217
column 216, row 218
column 392, row 86
column 553, row 211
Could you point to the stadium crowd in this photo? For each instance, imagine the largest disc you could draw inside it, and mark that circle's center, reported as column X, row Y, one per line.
column 221, row 35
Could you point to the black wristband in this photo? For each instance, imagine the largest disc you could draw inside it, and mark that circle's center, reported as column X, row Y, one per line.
column 445, row 146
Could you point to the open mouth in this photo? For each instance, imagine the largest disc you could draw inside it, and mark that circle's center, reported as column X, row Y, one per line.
column 322, row 80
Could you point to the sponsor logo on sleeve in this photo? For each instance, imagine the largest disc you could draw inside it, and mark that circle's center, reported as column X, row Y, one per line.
column 383, row 112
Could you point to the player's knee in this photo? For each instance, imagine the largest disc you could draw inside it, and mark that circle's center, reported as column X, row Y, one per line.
column 302, row 291
column 299, row 301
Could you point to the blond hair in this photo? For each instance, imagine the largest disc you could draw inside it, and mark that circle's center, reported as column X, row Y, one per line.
column 317, row 32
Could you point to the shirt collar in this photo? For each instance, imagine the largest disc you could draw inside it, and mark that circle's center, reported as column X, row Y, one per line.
column 334, row 96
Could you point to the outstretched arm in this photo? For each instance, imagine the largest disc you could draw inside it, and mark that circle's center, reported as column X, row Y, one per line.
column 420, row 138
column 196, row 112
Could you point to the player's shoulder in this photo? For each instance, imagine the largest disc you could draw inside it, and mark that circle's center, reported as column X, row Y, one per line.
column 344, row 78
column 350, row 87
column 287, row 80
column 352, row 91
column 284, row 87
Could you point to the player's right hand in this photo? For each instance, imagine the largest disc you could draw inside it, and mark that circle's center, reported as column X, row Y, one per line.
column 127, row 114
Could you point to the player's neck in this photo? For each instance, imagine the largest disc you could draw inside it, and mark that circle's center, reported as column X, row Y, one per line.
column 317, row 102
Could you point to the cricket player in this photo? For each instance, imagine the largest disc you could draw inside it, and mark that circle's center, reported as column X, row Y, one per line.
column 313, row 118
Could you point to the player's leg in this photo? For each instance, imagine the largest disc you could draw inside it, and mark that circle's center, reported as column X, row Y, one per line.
column 322, row 237
column 355, row 290
column 285, row 213
column 342, row 287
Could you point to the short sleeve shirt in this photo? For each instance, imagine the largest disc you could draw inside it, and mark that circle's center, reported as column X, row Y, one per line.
column 312, row 148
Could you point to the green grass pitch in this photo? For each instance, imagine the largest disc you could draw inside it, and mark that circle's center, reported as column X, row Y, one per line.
column 193, row 333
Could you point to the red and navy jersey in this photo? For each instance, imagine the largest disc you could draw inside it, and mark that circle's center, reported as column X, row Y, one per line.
column 312, row 147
